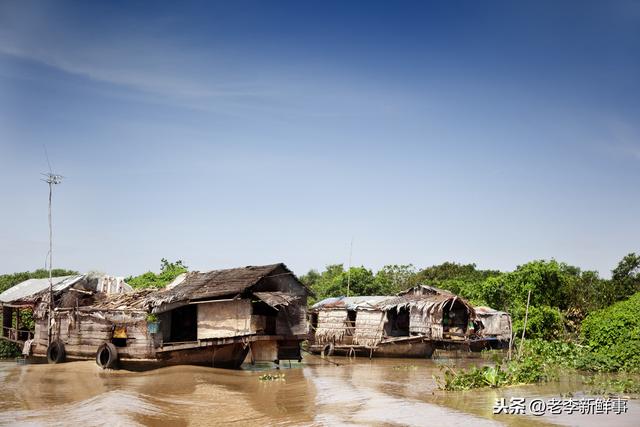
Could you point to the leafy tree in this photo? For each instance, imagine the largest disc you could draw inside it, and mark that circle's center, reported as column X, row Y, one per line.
column 461, row 279
column 441, row 273
column 625, row 278
column 395, row 278
column 335, row 281
column 168, row 272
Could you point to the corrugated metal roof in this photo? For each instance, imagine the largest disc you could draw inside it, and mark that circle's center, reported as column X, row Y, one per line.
column 488, row 311
column 32, row 287
column 384, row 303
column 353, row 303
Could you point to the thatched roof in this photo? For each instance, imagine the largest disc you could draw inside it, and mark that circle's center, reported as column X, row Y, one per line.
column 232, row 282
column 201, row 286
column 432, row 298
column 137, row 300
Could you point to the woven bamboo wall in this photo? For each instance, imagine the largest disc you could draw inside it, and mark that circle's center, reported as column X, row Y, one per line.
column 369, row 327
column 331, row 326
column 418, row 323
column 426, row 320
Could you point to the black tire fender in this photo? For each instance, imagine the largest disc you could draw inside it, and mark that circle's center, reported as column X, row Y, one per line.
column 56, row 352
column 327, row 350
column 107, row 356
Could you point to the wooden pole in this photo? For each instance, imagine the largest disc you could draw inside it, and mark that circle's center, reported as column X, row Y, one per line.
column 524, row 329
column 510, row 337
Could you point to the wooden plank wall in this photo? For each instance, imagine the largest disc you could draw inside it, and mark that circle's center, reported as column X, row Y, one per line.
column 83, row 333
column 224, row 319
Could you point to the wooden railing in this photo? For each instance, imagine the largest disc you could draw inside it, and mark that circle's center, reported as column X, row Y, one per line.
column 16, row 335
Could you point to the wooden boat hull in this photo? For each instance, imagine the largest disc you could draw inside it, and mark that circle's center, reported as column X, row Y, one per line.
column 229, row 353
column 475, row 345
column 228, row 356
column 414, row 347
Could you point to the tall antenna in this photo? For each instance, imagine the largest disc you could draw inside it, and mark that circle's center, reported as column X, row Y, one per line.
column 349, row 270
column 51, row 179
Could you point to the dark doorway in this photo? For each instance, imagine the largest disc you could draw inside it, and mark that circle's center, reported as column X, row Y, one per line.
column 265, row 318
column 184, row 324
column 454, row 320
column 399, row 322
column 351, row 322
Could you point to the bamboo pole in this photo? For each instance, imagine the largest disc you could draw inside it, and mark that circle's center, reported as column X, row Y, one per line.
column 524, row 329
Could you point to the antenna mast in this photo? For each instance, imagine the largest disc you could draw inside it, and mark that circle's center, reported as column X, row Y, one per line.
column 51, row 179
column 349, row 271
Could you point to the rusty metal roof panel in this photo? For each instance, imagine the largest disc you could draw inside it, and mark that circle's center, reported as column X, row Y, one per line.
column 31, row 288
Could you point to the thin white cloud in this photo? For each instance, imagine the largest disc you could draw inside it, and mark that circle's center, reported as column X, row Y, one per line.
column 161, row 67
column 625, row 137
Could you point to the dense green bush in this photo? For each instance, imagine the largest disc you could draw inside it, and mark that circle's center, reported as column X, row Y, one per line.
column 543, row 322
column 8, row 350
column 168, row 272
column 613, row 334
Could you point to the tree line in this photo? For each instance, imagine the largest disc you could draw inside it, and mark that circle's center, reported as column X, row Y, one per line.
column 562, row 295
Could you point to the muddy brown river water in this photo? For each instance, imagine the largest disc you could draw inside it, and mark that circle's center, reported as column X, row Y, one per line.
column 316, row 392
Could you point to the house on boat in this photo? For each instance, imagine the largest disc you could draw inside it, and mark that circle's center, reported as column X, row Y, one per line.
column 495, row 325
column 217, row 318
column 411, row 324
column 32, row 296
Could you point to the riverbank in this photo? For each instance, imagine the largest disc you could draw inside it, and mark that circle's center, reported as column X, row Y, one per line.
column 316, row 392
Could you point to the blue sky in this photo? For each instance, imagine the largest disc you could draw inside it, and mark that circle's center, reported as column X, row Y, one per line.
column 255, row 132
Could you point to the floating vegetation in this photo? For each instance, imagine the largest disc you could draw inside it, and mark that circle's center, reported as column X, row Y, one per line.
column 272, row 377
column 405, row 368
column 611, row 386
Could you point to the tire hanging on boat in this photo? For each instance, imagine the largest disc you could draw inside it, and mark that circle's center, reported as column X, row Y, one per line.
column 107, row 356
column 56, row 352
column 327, row 350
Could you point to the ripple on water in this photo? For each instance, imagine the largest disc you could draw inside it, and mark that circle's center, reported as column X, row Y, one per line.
column 110, row 408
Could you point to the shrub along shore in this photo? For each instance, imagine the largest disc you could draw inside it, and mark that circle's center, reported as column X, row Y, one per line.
column 610, row 343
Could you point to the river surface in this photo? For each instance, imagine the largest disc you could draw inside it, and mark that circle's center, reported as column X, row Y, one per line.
column 317, row 392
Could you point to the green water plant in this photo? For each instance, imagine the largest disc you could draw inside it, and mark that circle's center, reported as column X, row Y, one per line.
column 272, row 377
column 540, row 361
column 152, row 318
column 404, row 368
column 607, row 385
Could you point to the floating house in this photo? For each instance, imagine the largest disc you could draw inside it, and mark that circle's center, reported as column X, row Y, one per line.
column 217, row 318
column 33, row 296
column 495, row 326
column 411, row 324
